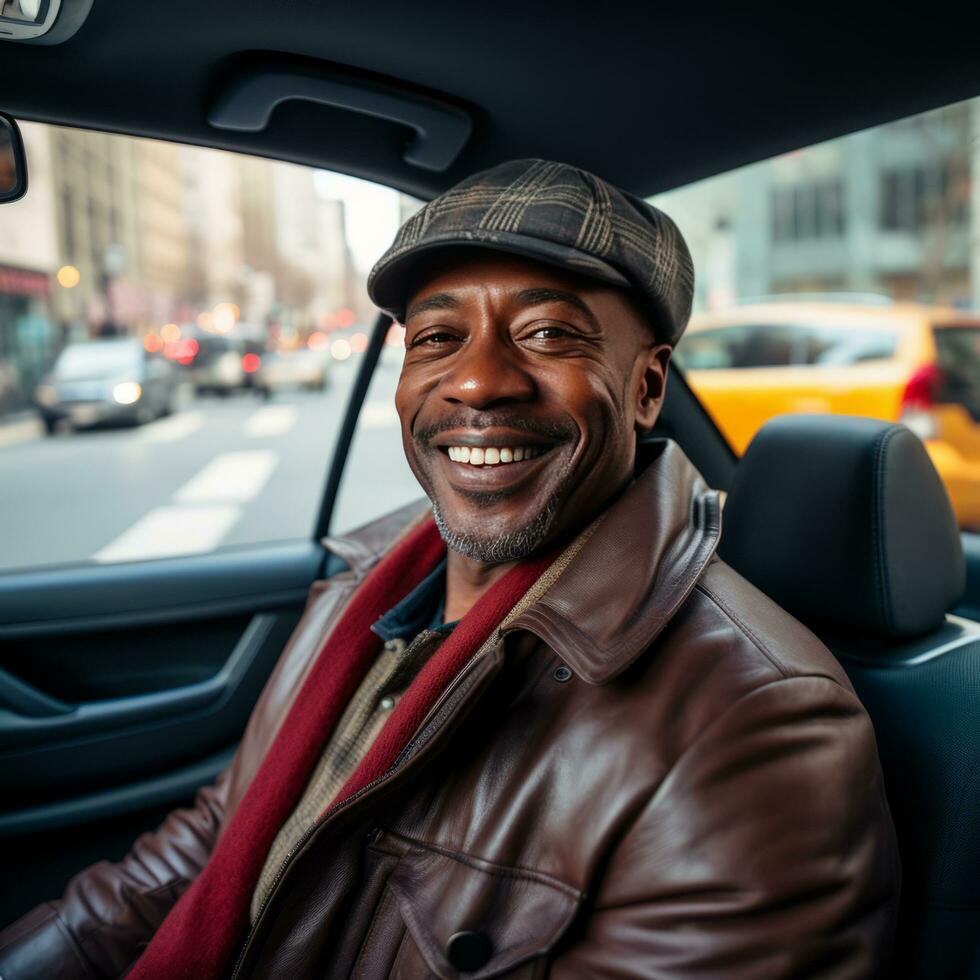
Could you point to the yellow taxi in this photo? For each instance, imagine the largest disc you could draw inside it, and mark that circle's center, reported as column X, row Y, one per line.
column 903, row 362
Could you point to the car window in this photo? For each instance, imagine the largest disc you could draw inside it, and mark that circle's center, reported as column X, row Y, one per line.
column 179, row 332
column 377, row 478
column 781, row 346
column 866, row 246
column 958, row 380
column 748, row 346
column 847, row 345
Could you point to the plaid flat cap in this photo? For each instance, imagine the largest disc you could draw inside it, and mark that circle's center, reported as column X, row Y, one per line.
column 557, row 214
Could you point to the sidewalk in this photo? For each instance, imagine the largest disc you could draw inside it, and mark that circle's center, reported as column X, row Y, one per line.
column 19, row 427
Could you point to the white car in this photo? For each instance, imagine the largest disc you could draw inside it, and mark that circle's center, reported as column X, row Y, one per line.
column 280, row 370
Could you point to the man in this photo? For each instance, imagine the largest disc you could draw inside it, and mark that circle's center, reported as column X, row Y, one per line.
column 587, row 747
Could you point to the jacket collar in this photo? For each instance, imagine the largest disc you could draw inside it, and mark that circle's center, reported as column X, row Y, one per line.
column 637, row 567
column 361, row 548
column 634, row 572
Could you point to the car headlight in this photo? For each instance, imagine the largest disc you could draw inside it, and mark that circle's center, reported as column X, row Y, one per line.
column 126, row 392
column 46, row 395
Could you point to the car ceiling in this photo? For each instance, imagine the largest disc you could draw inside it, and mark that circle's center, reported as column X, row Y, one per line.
column 650, row 96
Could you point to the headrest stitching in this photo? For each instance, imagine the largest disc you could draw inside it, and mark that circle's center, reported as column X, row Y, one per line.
column 882, row 583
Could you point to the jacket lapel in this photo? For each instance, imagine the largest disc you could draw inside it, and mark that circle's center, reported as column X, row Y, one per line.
column 639, row 564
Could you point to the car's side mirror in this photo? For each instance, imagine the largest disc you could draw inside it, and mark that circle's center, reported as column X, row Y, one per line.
column 13, row 162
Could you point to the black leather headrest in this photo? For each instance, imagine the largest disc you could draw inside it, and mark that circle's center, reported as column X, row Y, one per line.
column 844, row 522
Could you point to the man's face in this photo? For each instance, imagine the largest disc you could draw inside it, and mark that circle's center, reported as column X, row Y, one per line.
column 520, row 397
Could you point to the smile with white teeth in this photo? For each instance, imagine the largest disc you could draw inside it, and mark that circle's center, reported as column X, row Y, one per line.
column 492, row 455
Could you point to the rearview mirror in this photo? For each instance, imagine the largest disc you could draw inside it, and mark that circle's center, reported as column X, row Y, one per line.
column 13, row 164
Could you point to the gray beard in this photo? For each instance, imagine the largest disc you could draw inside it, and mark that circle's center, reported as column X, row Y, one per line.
column 512, row 546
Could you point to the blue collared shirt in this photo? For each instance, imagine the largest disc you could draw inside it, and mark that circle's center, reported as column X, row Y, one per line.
column 422, row 609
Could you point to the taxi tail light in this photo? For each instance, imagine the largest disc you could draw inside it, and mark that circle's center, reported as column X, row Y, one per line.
column 920, row 392
column 918, row 400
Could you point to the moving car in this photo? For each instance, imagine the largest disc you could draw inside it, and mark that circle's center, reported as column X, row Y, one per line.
column 216, row 367
column 282, row 370
column 98, row 743
column 905, row 362
column 105, row 381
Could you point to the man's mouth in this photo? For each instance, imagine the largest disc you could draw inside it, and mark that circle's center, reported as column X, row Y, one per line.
column 498, row 454
column 492, row 455
column 487, row 460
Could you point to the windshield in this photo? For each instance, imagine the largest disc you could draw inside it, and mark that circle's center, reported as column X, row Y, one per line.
column 97, row 361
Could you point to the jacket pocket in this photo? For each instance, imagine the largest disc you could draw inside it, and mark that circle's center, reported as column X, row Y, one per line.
column 509, row 916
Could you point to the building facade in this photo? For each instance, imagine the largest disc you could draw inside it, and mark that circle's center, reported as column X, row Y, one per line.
column 888, row 211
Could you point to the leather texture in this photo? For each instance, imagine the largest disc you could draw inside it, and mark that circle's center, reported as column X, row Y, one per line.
column 923, row 694
column 701, row 798
column 877, row 552
column 926, row 716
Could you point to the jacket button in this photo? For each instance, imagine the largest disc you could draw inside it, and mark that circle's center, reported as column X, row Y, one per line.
column 468, row 950
column 563, row 673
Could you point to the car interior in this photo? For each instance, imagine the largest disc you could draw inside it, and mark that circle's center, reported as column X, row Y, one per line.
column 124, row 687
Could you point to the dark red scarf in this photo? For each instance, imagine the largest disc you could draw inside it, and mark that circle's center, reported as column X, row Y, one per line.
column 196, row 939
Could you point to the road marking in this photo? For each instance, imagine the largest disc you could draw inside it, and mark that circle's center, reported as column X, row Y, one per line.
column 378, row 415
column 231, row 477
column 173, row 429
column 273, row 420
column 170, row 531
column 22, row 431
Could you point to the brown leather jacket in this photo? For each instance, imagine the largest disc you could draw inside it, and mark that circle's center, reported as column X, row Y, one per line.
column 700, row 797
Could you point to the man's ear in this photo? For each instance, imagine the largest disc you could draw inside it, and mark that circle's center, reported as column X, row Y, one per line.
column 652, row 363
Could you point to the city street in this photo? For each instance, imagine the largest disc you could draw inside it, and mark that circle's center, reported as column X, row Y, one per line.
column 218, row 472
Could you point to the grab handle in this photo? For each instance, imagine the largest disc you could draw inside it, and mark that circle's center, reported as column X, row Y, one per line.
column 441, row 130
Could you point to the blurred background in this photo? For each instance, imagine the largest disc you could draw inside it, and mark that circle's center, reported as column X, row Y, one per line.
column 165, row 243
column 180, row 327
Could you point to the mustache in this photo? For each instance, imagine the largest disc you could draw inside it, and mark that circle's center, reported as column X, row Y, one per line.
column 552, row 431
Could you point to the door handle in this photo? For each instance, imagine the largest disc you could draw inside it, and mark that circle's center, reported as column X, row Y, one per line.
column 28, row 717
column 23, row 699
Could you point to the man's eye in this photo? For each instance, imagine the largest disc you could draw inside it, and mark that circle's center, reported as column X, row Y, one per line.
column 440, row 337
column 550, row 333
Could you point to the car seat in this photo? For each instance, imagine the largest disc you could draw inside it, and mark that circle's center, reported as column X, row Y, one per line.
column 845, row 523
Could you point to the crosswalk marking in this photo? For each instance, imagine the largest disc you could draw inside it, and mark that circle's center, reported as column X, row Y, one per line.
column 23, row 430
column 236, row 477
column 378, row 415
column 203, row 511
column 273, row 420
column 173, row 429
column 170, row 531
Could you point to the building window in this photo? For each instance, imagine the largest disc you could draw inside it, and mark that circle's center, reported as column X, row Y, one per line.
column 807, row 211
column 914, row 198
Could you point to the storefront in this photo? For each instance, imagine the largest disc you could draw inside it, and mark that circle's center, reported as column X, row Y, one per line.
column 27, row 334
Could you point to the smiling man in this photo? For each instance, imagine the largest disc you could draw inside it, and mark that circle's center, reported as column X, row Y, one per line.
column 538, row 728
column 523, row 390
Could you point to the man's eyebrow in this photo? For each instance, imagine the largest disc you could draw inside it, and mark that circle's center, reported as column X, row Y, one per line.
column 438, row 301
column 542, row 294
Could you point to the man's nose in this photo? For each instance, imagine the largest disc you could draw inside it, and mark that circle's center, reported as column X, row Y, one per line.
column 487, row 371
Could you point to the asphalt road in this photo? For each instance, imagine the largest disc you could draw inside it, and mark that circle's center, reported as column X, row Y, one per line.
column 217, row 473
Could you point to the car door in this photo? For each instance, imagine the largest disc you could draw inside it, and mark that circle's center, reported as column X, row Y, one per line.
column 125, row 686
column 151, row 574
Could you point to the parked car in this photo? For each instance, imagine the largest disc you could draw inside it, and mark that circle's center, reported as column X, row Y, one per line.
column 905, row 363
column 281, row 370
column 105, row 381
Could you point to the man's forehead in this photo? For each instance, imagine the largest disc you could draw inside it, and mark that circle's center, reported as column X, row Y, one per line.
column 530, row 296
column 445, row 281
